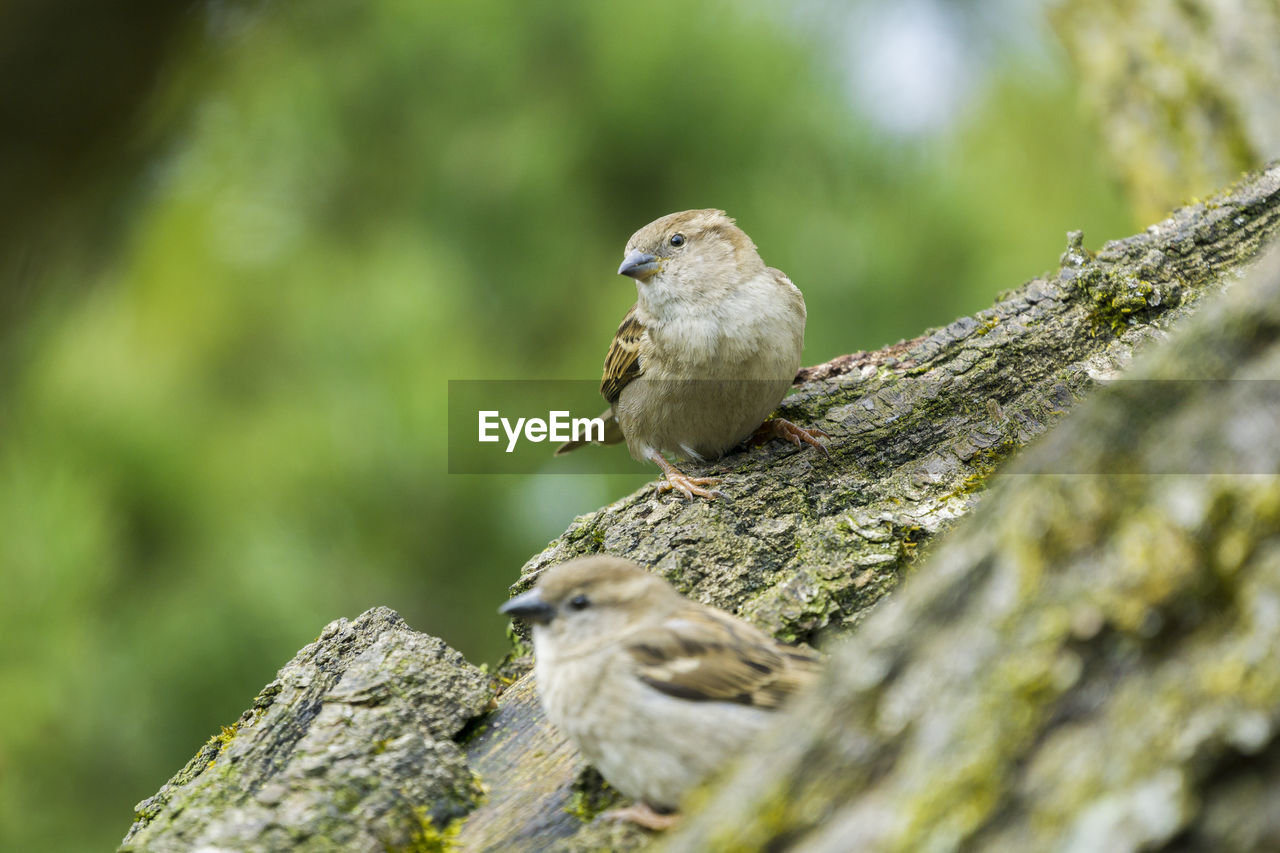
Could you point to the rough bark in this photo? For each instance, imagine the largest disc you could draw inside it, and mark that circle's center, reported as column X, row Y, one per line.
column 353, row 746
column 805, row 547
column 1184, row 93
column 1090, row 663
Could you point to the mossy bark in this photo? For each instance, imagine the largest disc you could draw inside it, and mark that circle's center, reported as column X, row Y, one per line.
column 353, row 746
column 1089, row 663
column 1184, row 93
column 1025, row 625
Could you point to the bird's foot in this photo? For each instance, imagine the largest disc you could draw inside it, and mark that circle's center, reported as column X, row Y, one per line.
column 643, row 814
column 690, row 486
column 683, row 483
column 787, row 431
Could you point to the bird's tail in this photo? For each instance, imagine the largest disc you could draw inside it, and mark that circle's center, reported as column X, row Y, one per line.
column 612, row 434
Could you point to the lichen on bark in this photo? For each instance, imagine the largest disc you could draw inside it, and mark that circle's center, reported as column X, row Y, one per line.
column 351, row 747
column 1089, row 663
column 1183, row 93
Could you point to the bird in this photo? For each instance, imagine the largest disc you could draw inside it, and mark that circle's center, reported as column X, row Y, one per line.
column 655, row 690
column 706, row 354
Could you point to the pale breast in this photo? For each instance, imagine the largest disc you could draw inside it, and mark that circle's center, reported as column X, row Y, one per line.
column 648, row 745
column 710, row 378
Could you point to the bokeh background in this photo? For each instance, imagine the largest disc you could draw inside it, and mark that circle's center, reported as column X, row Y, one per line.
column 246, row 245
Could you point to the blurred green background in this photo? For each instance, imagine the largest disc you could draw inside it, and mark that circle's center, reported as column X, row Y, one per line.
column 233, row 300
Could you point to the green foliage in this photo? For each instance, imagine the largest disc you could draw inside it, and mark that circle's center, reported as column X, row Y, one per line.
column 232, row 431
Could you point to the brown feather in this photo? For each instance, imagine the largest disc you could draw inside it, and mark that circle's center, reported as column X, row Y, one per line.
column 704, row 655
column 622, row 363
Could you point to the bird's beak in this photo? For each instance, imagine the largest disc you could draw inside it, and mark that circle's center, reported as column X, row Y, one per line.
column 530, row 607
column 639, row 265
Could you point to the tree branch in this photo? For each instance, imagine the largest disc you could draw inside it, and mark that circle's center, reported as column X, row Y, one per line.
column 1089, row 663
column 805, row 547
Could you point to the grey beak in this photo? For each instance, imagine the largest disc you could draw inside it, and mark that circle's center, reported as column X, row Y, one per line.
column 639, row 265
column 530, row 607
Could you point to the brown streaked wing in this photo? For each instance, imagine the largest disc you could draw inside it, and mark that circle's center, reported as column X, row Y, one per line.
column 705, row 656
column 622, row 364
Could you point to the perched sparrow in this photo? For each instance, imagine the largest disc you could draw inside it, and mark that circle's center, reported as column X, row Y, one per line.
column 655, row 690
column 708, row 350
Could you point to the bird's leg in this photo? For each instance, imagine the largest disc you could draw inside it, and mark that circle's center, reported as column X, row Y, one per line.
column 643, row 814
column 787, row 431
column 689, row 486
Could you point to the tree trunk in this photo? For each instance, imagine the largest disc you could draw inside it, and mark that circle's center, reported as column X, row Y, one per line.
column 1184, row 93
column 1072, row 615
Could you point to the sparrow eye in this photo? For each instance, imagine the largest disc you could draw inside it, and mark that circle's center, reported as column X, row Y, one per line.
column 677, row 239
column 579, row 602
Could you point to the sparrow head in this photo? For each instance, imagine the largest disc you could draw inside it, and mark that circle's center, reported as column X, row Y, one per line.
column 591, row 599
column 688, row 254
